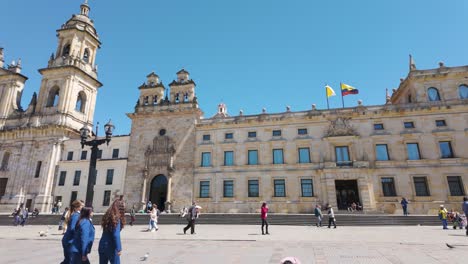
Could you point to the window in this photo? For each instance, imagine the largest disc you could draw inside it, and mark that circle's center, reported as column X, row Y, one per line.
column 110, row 176
column 228, row 188
column 388, row 187
column 204, row 189
column 74, row 196
column 278, row 156
column 84, row 154
column 53, row 98
column 440, row 123
column 228, row 158
column 408, row 124
column 76, row 180
column 252, row 157
column 206, row 159
column 115, row 153
column 307, row 188
column 302, row 131
column 99, row 154
column 413, row 151
column 70, row 155
column 38, row 169
column 3, row 185
column 445, row 150
column 63, row 176
column 86, row 55
column 342, row 156
column 378, row 126
column 66, row 50
column 58, row 198
column 253, row 188
column 5, row 161
column 276, row 133
column 304, row 155
column 433, row 94
column 252, row 134
column 106, row 200
column 228, row 136
column 80, row 102
column 456, row 186
column 280, row 188
column 420, row 186
column 463, row 91
column 381, row 152
column 206, row 137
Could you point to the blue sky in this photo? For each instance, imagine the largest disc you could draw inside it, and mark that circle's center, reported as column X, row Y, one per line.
column 248, row 54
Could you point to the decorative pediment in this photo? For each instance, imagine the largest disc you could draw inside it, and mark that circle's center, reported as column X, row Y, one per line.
column 161, row 153
column 340, row 127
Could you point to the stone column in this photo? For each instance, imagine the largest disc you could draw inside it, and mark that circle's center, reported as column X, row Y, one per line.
column 143, row 191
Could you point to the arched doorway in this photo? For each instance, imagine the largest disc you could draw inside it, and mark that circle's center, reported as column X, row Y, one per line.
column 158, row 191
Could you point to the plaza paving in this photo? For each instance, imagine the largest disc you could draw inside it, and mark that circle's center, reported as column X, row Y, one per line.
column 245, row 244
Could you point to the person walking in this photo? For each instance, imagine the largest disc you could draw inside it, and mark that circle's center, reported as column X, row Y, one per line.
column 132, row 215
column 149, row 206
column 331, row 217
column 24, row 216
column 443, row 216
column 70, row 224
column 62, row 224
column 16, row 215
column 59, row 206
column 318, row 214
column 83, row 237
column 191, row 217
column 404, row 205
column 465, row 210
column 154, row 214
column 113, row 221
column 264, row 216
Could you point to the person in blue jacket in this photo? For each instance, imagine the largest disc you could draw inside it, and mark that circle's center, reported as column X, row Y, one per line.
column 113, row 221
column 74, row 216
column 83, row 238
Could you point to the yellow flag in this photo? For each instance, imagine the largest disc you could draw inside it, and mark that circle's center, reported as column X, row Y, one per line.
column 344, row 86
column 330, row 91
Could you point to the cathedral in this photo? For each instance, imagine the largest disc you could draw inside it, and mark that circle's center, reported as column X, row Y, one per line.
column 410, row 146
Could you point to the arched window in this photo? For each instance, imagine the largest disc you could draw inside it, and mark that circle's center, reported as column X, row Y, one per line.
column 177, row 98
column 433, row 94
column 81, row 102
column 410, row 99
column 155, row 99
column 186, row 98
column 86, row 55
column 66, row 50
column 53, row 98
column 5, row 160
column 463, row 91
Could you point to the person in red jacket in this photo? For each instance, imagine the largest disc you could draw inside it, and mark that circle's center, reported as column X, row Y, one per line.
column 264, row 215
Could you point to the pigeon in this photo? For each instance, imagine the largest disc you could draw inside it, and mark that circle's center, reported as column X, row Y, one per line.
column 145, row 257
column 450, row 246
column 42, row 233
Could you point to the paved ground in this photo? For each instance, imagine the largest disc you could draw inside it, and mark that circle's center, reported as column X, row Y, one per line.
column 245, row 244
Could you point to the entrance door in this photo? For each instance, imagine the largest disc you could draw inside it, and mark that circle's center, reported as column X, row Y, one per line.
column 158, row 192
column 346, row 193
column 29, row 204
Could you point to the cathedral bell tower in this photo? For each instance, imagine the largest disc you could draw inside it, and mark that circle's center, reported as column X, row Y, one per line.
column 68, row 91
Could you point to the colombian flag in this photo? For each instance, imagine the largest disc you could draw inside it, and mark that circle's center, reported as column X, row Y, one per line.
column 348, row 89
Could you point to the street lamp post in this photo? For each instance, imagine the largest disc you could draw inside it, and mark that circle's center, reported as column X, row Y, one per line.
column 94, row 143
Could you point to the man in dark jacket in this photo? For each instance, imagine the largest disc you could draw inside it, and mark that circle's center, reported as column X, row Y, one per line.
column 465, row 210
column 318, row 214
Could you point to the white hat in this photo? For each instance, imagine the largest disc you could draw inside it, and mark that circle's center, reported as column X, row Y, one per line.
column 441, row 205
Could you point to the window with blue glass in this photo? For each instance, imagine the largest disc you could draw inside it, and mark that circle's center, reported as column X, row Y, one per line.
column 204, row 189
column 445, row 150
column 206, row 159
column 279, row 188
column 302, row 131
column 381, row 152
column 378, row 126
column 253, row 157
column 63, row 176
column 342, row 156
column 110, row 176
column 408, row 124
column 433, row 94
column 463, row 91
column 253, row 188
column 76, row 180
column 276, row 133
column 304, row 155
column 307, row 188
column 413, row 151
column 228, row 136
column 252, row 134
column 228, row 188
column 440, row 123
column 278, row 156
column 228, row 158
column 206, row 137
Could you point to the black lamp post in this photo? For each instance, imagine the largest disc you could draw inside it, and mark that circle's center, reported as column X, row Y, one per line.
column 94, row 143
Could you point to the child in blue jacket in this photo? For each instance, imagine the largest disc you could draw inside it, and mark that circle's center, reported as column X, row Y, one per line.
column 113, row 221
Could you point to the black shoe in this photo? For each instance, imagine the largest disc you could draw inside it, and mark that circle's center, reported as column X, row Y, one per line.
column 335, row 227
column 185, row 231
column 267, row 233
column 263, row 233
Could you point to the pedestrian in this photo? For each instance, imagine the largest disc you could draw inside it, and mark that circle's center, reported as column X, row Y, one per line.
column 331, row 217
column 154, row 214
column 70, row 224
column 24, row 216
column 17, row 217
column 83, row 237
column 149, row 206
column 62, row 224
column 465, row 210
column 443, row 216
column 318, row 214
column 59, row 206
column 404, row 205
column 264, row 216
column 191, row 217
column 132, row 215
column 113, row 221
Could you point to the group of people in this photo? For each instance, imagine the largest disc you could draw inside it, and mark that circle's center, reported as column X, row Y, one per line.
column 78, row 238
column 319, row 215
column 57, row 206
column 20, row 215
column 458, row 220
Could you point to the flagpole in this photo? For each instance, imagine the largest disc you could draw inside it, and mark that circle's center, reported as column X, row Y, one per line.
column 326, row 95
column 342, row 99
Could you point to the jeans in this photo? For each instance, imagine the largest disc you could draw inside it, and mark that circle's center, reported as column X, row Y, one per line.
column 319, row 220
column 265, row 223
column 405, row 210
column 444, row 223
